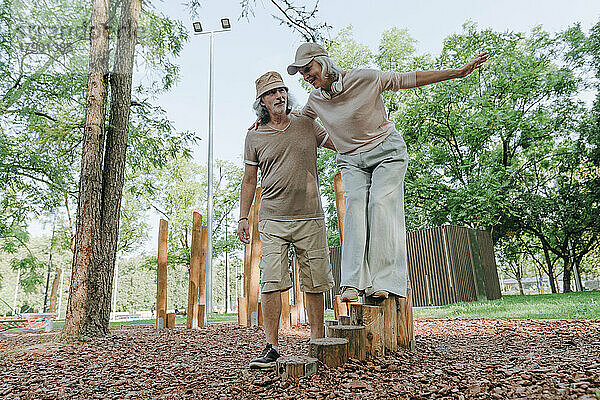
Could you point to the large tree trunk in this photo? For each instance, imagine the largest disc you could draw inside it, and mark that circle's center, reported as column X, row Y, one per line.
column 90, row 181
column 101, row 277
column 549, row 268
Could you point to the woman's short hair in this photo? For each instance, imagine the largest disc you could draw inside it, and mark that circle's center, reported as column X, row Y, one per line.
column 329, row 69
column 263, row 114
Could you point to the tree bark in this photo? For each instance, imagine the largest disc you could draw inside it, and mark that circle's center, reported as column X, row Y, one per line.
column 566, row 275
column 520, row 280
column 90, row 182
column 101, row 277
column 550, row 268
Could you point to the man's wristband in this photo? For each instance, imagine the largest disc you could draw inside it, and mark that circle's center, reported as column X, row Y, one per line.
column 241, row 219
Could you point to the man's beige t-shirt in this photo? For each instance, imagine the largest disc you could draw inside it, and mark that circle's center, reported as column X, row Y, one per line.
column 287, row 160
column 356, row 119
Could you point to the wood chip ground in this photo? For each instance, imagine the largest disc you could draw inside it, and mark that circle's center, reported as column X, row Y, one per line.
column 455, row 359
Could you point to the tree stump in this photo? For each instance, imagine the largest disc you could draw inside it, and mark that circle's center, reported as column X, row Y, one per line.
column 332, row 352
column 201, row 310
column 371, row 317
column 328, row 323
column 344, row 320
column 242, row 313
column 356, row 336
column 170, row 320
column 295, row 366
column 412, row 343
column 398, row 321
column 390, row 320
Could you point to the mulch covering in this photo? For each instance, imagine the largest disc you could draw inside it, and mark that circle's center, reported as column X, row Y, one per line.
column 460, row 359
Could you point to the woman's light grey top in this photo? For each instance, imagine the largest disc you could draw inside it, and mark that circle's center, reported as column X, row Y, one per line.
column 356, row 119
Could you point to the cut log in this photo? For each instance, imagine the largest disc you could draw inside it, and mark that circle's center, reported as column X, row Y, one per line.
column 328, row 323
column 201, row 309
column 161, row 276
column 339, row 307
column 332, row 352
column 253, row 283
column 371, row 317
column 259, row 315
column 171, row 320
column 342, row 307
column 356, row 339
column 299, row 300
column 344, row 320
column 340, row 203
column 412, row 344
column 242, row 313
column 194, row 275
column 294, row 315
column 390, row 320
column 285, row 310
column 295, row 366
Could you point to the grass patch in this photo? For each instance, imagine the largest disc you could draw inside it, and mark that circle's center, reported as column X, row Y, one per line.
column 579, row 305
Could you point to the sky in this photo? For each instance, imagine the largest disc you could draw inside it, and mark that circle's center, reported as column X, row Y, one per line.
column 260, row 44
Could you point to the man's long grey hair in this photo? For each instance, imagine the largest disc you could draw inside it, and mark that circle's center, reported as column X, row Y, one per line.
column 329, row 69
column 263, row 114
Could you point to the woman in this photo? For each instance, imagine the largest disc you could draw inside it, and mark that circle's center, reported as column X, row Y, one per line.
column 373, row 161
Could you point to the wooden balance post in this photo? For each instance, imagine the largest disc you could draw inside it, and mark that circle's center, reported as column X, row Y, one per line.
column 161, row 276
column 197, row 282
column 196, row 291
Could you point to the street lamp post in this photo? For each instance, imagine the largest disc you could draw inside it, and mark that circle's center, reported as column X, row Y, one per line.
column 225, row 24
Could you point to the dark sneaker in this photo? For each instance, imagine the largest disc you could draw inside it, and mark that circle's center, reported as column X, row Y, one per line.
column 267, row 358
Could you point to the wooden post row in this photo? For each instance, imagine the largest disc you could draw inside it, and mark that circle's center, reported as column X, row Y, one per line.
column 161, row 276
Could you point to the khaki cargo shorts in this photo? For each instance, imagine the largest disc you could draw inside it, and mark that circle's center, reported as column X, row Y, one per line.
column 310, row 241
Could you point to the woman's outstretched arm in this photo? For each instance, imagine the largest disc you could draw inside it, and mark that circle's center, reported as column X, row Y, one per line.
column 429, row 77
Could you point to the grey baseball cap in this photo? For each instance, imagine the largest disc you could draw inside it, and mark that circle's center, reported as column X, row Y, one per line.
column 305, row 54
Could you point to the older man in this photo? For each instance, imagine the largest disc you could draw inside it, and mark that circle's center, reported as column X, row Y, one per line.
column 284, row 148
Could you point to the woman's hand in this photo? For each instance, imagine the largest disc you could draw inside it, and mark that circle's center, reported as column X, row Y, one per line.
column 243, row 231
column 472, row 65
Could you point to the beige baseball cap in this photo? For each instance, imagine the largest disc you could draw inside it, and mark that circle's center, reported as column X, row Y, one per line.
column 268, row 81
column 305, row 54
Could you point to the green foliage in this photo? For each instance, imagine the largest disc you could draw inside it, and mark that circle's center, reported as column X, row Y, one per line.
column 31, row 272
column 44, row 51
column 509, row 148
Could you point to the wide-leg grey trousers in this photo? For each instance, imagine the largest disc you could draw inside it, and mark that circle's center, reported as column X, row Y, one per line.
column 374, row 246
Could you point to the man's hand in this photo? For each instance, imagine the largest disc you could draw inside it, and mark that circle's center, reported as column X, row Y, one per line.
column 243, row 231
column 255, row 125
